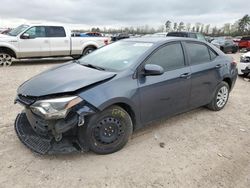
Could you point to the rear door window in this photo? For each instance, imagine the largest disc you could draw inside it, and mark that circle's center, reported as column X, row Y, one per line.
column 198, row 53
column 53, row 31
column 169, row 57
column 213, row 54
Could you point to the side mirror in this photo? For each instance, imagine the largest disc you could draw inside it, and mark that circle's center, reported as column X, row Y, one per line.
column 153, row 70
column 25, row 36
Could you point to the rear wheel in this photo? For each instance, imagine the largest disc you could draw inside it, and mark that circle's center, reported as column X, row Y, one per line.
column 220, row 97
column 107, row 131
column 5, row 59
column 88, row 50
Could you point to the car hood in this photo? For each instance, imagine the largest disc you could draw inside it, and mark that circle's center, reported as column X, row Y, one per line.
column 65, row 78
column 7, row 38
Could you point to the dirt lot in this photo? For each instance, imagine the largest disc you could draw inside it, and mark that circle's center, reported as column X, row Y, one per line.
column 202, row 148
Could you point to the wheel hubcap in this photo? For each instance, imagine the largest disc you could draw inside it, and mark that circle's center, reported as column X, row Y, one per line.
column 5, row 59
column 89, row 51
column 108, row 131
column 222, row 96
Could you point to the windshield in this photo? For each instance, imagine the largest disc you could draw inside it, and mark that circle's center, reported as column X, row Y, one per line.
column 117, row 56
column 18, row 30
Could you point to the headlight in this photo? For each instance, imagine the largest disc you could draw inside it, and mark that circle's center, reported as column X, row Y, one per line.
column 57, row 108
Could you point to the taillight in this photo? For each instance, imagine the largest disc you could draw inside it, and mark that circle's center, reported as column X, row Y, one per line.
column 106, row 41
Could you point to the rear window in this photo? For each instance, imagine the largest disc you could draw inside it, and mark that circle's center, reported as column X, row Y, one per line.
column 55, row 32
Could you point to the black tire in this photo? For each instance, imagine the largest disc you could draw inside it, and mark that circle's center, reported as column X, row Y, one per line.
column 76, row 56
column 88, row 50
column 214, row 104
column 244, row 75
column 234, row 50
column 107, row 131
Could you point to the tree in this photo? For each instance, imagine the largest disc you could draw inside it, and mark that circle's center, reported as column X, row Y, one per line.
column 197, row 26
column 168, row 25
column 181, row 26
column 160, row 28
column 244, row 23
column 193, row 29
column 227, row 28
column 214, row 31
column 188, row 27
column 175, row 26
column 207, row 28
column 202, row 28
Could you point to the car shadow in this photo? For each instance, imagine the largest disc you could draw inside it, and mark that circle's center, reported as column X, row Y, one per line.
column 147, row 130
column 44, row 61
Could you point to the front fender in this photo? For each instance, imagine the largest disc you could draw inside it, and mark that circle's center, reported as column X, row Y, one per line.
column 115, row 91
column 10, row 46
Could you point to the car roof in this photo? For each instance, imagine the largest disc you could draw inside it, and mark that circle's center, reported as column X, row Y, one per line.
column 160, row 39
column 184, row 32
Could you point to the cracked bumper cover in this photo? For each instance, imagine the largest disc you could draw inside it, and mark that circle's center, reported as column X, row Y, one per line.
column 39, row 135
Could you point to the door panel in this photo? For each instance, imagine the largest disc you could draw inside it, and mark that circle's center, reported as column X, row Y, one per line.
column 205, row 78
column 35, row 46
column 205, row 71
column 59, row 42
column 164, row 95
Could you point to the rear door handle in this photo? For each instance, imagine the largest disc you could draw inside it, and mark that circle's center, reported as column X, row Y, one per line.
column 218, row 66
column 186, row 75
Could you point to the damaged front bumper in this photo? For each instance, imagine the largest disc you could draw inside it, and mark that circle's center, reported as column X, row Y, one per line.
column 57, row 136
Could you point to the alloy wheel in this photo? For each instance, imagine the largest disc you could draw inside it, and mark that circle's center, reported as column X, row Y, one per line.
column 222, row 96
column 5, row 59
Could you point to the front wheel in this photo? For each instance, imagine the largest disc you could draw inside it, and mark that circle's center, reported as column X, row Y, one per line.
column 220, row 97
column 5, row 59
column 107, row 131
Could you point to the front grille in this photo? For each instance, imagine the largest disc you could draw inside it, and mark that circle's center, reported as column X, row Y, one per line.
column 25, row 100
column 45, row 144
column 37, row 143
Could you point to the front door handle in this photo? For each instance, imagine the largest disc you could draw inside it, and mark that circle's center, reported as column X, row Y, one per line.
column 218, row 66
column 186, row 75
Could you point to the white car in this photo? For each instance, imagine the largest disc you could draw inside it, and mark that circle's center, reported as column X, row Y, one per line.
column 244, row 65
column 42, row 40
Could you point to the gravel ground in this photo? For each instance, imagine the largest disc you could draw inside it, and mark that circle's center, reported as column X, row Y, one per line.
column 201, row 148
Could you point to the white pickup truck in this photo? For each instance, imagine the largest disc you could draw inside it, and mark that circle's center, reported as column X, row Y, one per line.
column 40, row 40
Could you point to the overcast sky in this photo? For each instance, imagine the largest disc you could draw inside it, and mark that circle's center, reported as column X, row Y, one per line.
column 115, row 13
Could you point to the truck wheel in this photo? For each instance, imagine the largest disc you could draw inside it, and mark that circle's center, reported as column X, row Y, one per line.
column 76, row 56
column 88, row 50
column 107, row 131
column 5, row 59
column 220, row 97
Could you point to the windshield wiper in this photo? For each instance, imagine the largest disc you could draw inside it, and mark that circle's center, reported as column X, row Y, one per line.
column 94, row 67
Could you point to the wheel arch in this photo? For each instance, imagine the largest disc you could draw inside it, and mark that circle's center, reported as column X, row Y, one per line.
column 8, row 50
column 128, row 107
column 89, row 45
column 228, row 81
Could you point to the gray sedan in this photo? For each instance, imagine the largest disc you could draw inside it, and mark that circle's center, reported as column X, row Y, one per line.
column 97, row 102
